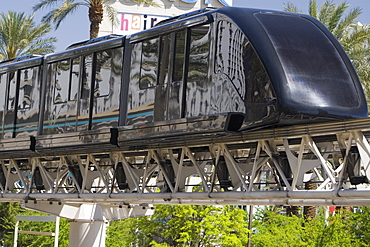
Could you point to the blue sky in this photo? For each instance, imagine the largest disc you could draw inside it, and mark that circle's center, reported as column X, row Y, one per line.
column 76, row 27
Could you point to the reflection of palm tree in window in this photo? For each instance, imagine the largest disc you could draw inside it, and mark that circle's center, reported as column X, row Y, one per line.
column 103, row 66
column 74, row 85
column 12, row 90
column 26, row 87
column 58, row 99
column 85, row 85
column 98, row 79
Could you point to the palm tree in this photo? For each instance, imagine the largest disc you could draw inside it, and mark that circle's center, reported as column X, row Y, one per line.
column 96, row 11
column 20, row 36
column 353, row 36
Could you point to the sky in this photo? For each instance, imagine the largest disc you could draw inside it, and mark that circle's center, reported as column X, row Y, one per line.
column 76, row 27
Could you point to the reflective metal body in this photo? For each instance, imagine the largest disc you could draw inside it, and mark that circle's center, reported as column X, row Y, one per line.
column 144, row 113
column 267, row 68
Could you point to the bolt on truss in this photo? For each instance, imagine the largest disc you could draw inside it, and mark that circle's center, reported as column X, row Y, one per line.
column 269, row 167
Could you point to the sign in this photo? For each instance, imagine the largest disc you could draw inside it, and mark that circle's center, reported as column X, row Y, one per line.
column 132, row 23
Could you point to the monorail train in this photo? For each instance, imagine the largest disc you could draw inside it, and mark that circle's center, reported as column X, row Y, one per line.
column 194, row 76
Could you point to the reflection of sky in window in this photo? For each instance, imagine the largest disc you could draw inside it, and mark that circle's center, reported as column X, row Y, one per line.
column 311, row 62
column 304, row 93
column 2, row 89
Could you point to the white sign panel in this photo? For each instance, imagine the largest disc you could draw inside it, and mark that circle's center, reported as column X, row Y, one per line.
column 132, row 23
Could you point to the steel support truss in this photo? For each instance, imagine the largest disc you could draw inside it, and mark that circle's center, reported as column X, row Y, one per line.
column 269, row 167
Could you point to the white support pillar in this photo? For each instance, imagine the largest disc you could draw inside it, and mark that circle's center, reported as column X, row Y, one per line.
column 89, row 228
column 89, row 221
column 83, row 234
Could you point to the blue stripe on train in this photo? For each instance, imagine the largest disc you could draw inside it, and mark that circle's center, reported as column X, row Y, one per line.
column 140, row 114
column 9, row 127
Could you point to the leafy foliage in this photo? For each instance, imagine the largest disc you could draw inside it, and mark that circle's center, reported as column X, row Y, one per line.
column 183, row 225
column 96, row 11
column 341, row 229
column 20, row 36
column 8, row 212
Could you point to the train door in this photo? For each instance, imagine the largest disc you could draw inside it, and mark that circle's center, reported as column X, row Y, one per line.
column 10, row 103
column 61, row 96
column 168, row 96
column 28, row 105
column 142, row 81
column 20, row 108
column 175, row 85
column 106, row 82
column 84, row 94
column 184, row 74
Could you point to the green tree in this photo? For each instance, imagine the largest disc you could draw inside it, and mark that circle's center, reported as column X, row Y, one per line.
column 360, row 224
column 40, row 240
column 8, row 211
column 274, row 229
column 96, row 11
column 353, row 36
column 20, row 36
column 183, row 225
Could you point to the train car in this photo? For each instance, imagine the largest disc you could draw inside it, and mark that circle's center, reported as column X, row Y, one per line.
column 20, row 86
column 235, row 69
column 208, row 74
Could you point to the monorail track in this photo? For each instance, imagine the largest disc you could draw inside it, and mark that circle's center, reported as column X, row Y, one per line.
column 267, row 166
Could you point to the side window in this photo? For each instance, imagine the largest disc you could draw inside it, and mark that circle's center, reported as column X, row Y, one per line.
column 149, row 63
column 229, row 60
column 75, row 76
column 165, row 53
column 199, row 100
column 86, row 79
column 241, row 74
column 61, row 81
column 2, row 89
column 179, row 56
column 199, row 54
column 12, row 90
column 103, row 73
column 26, row 86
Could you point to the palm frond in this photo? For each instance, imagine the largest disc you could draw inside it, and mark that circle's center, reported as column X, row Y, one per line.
column 20, row 36
column 112, row 14
column 336, row 15
column 346, row 22
column 312, row 8
column 290, row 7
column 46, row 4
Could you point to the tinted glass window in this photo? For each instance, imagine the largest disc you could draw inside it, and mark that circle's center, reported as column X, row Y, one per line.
column 179, row 56
column 75, row 76
column 199, row 54
column 12, row 90
column 28, row 78
column 198, row 82
column 2, row 89
column 164, row 59
column 311, row 63
column 86, row 79
column 103, row 73
column 149, row 63
column 243, row 81
column 61, row 81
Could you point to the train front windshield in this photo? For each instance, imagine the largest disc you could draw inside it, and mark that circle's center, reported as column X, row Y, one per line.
column 315, row 71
